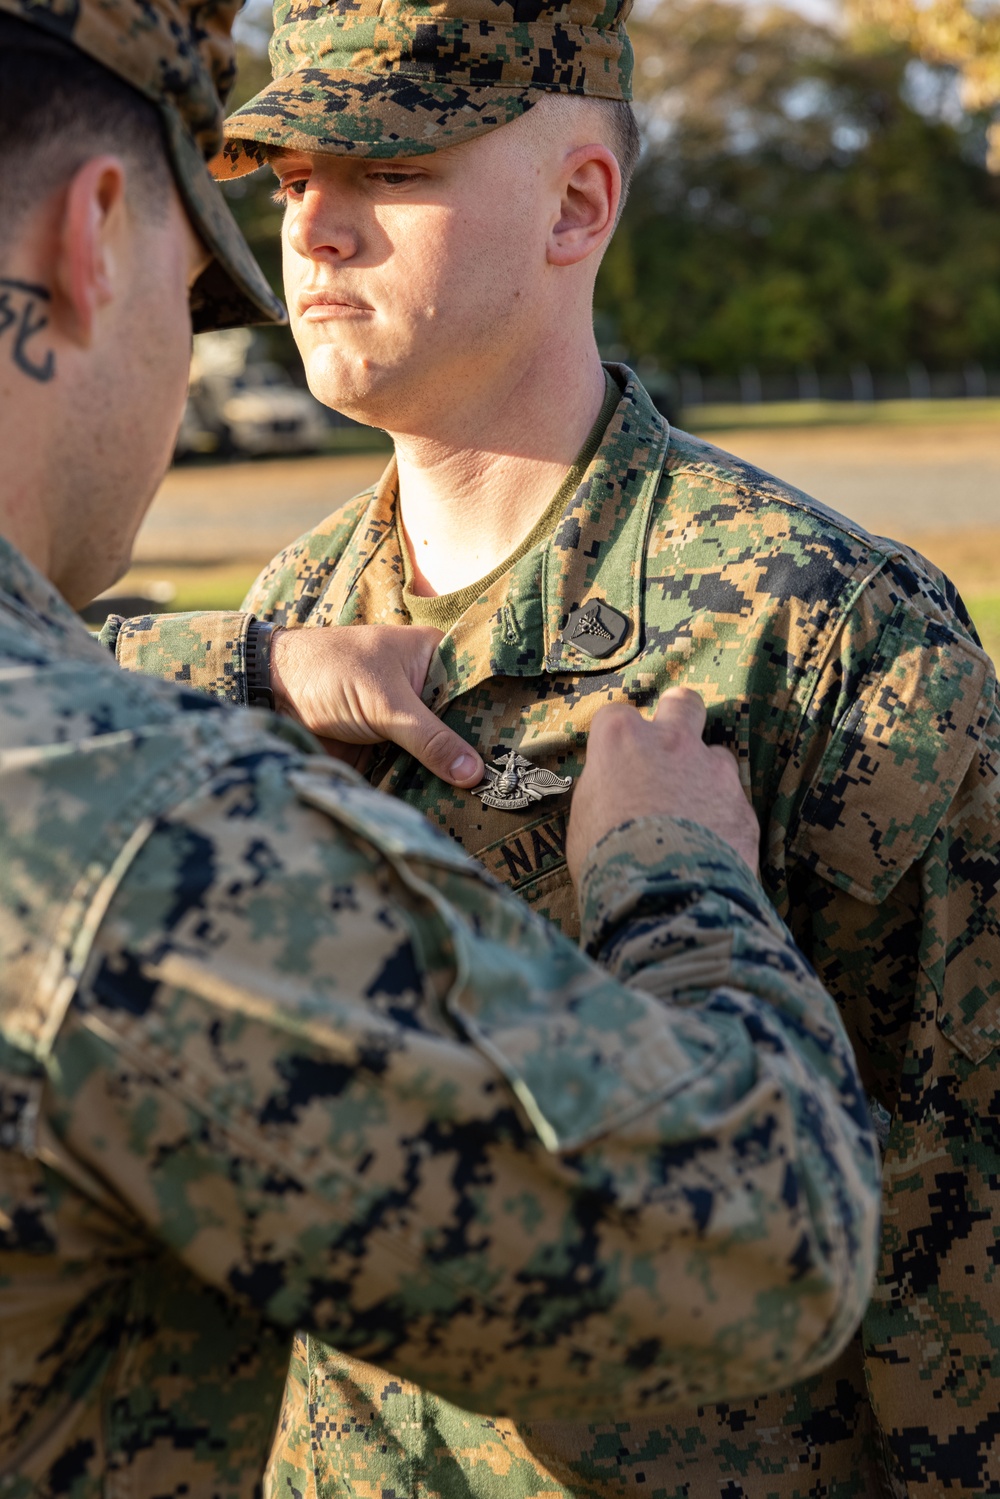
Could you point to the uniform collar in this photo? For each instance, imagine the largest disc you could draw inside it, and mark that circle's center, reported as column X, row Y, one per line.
column 366, row 587
column 595, row 554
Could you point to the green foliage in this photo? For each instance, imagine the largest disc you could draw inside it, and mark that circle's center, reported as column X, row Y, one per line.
column 796, row 206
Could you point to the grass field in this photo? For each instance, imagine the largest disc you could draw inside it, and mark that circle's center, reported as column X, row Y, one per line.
column 731, row 415
column 210, row 587
column 985, row 611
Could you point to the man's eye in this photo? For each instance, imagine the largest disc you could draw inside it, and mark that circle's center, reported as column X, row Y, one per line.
column 293, row 190
column 392, row 179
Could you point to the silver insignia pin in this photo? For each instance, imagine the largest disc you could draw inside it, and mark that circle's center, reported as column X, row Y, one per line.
column 513, row 783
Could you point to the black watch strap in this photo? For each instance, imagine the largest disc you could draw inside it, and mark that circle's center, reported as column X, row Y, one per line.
column 258, row 665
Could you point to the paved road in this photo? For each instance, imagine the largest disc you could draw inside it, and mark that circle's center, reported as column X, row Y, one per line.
column 245, row 512
column 894, row 480
column 937, row 487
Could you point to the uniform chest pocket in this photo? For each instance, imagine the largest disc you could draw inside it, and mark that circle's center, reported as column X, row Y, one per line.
column 895, row 759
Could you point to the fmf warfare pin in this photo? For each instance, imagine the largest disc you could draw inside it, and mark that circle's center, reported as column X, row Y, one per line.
column 513, row 783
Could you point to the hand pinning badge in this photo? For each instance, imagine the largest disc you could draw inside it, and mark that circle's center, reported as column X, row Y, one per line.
column 513, row 783
column 596, row 628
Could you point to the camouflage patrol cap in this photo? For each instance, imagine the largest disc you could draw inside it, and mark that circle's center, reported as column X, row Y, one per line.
column 391, row 78
column 180, row 55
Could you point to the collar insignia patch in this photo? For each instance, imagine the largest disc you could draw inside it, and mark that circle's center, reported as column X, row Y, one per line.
column 513, row 783
column 596, row 628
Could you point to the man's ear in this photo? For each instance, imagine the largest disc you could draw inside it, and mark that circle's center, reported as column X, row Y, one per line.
column 592, row 189
column 89, row 245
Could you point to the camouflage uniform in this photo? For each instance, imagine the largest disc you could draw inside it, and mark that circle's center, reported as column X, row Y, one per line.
column 274, row 1054
column 845, row 674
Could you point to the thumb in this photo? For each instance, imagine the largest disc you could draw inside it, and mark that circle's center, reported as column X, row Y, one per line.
column 437, row 747
column 418, row 643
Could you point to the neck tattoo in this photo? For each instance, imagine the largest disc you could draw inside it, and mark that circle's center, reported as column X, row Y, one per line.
column 23, row 317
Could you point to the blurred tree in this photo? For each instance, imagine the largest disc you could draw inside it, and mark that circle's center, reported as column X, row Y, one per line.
column 960, row 34
column 807, row 198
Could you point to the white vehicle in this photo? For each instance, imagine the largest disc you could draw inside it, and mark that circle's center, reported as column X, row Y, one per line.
column 242, row 407
column 264, row 412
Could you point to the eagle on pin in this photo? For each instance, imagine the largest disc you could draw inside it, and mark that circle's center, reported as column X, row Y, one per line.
column 513, row 783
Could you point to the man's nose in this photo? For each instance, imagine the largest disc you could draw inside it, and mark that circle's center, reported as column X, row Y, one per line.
column 320, row 227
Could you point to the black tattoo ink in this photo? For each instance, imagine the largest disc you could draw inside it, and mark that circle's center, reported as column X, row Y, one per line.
column 22, row 308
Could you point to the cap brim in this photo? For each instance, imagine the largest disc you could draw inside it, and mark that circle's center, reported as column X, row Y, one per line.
column 233, row 291
column 347, row 113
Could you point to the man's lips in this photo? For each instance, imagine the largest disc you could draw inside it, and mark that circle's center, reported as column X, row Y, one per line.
column 318, row 306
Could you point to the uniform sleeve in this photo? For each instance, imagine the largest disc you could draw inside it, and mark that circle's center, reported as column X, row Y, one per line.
column 354, row 1085
column 940, row 1305
column 205, row 650
column 899, row 908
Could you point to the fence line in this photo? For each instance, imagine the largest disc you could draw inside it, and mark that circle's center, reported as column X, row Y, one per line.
column 752, row 387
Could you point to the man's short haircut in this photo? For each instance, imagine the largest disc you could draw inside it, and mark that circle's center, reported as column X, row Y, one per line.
column 619, row 128
column 58, row 108
column 625, row 140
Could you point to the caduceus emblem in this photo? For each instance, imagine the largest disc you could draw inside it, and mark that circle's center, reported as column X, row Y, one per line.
column 513, row 783
column 590, row 623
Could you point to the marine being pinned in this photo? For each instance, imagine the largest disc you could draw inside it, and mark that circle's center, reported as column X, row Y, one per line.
column 513, row 783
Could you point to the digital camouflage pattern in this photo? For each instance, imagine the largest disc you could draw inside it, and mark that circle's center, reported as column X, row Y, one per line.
column 843, row 671
column 181, row 56
column 274, row 1055
column 208, row 649
column 377, row 79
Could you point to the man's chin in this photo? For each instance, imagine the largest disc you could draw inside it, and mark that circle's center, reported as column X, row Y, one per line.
column 354, row 388
column 91, row 573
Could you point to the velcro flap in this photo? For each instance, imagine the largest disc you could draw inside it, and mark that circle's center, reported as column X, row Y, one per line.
column 390, row 825
column 896, row 758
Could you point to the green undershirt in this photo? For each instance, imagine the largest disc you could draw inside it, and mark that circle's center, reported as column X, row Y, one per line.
column 445, row 609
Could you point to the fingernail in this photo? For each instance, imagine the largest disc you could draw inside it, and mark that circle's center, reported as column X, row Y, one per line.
column 463, row 767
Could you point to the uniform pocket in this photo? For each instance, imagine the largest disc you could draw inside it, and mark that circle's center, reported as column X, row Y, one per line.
column 895, row 758
column 528, row 852
column 390, row 825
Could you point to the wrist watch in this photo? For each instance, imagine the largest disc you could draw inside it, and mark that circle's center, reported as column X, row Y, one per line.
column 258, row 665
